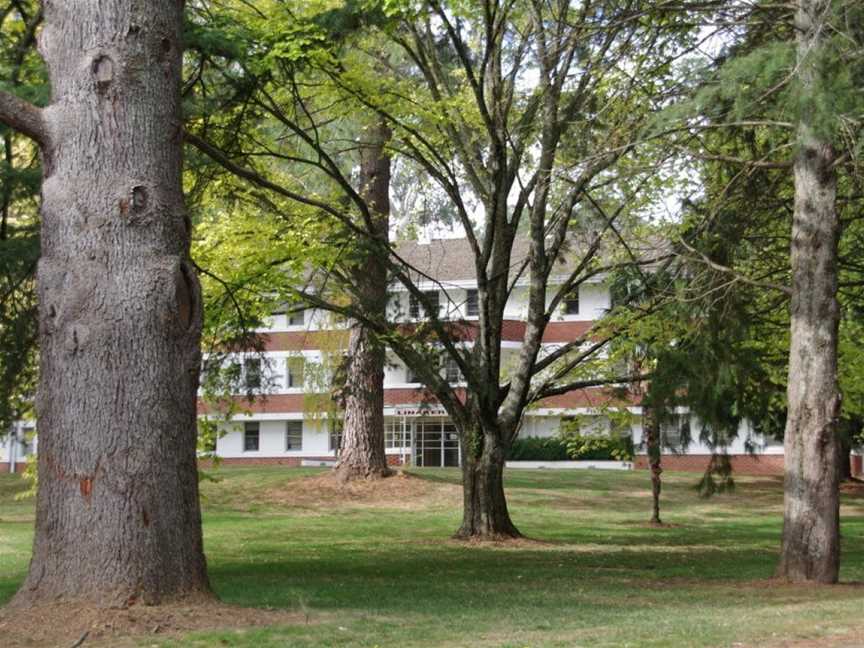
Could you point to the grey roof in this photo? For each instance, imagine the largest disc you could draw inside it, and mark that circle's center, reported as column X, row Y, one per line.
column 452, row 259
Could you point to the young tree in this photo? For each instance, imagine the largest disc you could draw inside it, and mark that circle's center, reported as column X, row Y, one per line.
column 117, row 513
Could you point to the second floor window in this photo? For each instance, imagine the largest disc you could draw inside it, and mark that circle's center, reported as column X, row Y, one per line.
column 451, row 371
column 415, row 308
column 252, row 373
column 294, row 373
column 472, row 306
column 571, row 302
column 251, row 437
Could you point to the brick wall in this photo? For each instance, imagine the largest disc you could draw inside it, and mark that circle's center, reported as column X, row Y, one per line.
column 19, row 467
column 392, row 460
column 741, row 464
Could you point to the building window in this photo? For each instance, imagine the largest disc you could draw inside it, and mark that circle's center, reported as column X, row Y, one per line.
column 294, row 373
column 451, row 371
column 234, row 374
column 335, row 442
column 297, row 318
column 571, row 302
column 676, row 432
column 414, row 306
column 294, row 435
column 410, row 376
column 472, row 306
column 252, row 373
column 397, row 435
column 251, row 437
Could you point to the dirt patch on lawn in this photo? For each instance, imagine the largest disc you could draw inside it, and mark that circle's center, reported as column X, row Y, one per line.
column 400, row 491
column 847, row 638
column 66, row 625
column 503, row 543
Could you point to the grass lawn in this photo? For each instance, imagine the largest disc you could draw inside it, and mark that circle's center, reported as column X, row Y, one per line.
column 384, row 572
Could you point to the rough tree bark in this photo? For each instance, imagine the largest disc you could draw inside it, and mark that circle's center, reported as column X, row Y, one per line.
column 362, row 454
column 651, row 428
column 811, row 534
column 117, row 513
column 484, row 512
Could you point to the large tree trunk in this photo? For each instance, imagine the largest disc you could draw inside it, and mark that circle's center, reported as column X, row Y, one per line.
column 484, row 514
column 811, row 533
column 117, row 513
column 362, row 455
column 651, row 429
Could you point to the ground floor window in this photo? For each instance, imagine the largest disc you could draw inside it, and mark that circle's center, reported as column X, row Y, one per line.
column 397, row 434
column 293, row 435
column 335, row 443
column 251, row 436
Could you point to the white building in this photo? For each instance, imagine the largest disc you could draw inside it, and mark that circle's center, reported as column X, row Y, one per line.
column 288, row 426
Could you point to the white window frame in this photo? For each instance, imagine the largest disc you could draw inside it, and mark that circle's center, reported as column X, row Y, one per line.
column 288, row 434
column 246, row 430
column 296, row 361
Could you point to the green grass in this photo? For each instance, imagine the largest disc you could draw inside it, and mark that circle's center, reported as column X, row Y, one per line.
column 389, row 575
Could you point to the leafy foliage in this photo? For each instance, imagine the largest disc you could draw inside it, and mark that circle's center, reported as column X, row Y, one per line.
column 597, row 447
column 22, row 73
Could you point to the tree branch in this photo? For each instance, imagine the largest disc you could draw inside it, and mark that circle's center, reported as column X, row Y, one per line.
column 556, row 390
column 701, row 257
column 23, row 117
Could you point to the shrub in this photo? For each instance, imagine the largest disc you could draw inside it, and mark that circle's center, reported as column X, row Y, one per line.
column 538, row 449
column 597, row 448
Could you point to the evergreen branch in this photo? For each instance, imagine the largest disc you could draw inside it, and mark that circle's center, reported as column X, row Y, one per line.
column 703, row 258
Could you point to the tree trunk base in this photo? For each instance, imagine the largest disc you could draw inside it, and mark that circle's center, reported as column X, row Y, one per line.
column 798, row 574
column 476, row 535
column 351, row 472
column 485, row 516
column 108, row 600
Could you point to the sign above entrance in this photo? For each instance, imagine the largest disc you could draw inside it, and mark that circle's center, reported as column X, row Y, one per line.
column 420, row 411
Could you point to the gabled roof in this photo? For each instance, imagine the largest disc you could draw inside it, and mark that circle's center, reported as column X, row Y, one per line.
column 452, row 260
column 440, row 259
